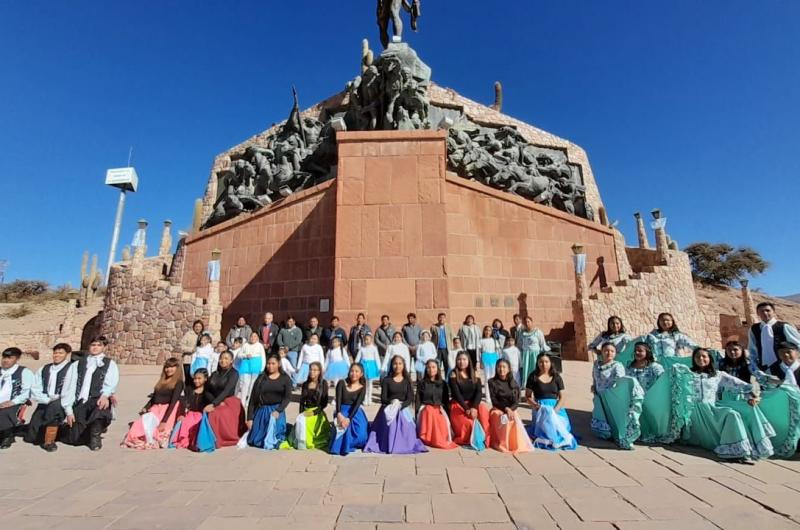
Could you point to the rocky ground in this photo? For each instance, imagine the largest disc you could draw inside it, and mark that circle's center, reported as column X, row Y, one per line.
column 729, row 302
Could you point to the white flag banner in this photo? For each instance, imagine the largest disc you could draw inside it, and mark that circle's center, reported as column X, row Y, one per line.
column 138, row 238
column 213, row 270
column 661, row 222
column 580, row 263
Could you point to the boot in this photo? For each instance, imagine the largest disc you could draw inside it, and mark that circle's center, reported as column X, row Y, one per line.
column 95, row 434
column 50, row 433
column 6, row 439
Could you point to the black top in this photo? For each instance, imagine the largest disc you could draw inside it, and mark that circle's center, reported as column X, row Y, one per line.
column 465, row 392
column 162, row 396
column 222, row 384
column 431, row 393
column 311, row 398
column 195, row 402
column 346, row 397
column 504, row 394
column 268, row 391
column 544, row 390
column 738, row 369
column 391, row 390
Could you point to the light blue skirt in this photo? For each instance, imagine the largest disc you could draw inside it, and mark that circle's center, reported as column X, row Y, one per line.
column 251, row 366
column 371, row 370
column 200, row 362
column 302, row 375
column 336, row 371
column 551, row 430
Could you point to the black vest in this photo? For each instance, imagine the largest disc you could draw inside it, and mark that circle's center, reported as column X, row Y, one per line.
column 16, row 382
column 98, row 378
column 777, row 371
column 59, row 378
column 778, row 336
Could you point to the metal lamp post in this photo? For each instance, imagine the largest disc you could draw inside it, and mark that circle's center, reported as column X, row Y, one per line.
column 125, row 179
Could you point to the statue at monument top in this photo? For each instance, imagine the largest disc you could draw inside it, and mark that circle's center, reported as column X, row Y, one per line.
column 389, row 11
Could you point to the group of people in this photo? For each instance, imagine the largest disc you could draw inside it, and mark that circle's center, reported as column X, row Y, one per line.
column 742, row 404
column 431, row 394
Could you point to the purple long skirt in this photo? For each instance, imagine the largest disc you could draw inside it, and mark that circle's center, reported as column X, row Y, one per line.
column 398, row 437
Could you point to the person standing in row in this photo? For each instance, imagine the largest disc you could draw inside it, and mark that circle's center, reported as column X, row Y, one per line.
column 333, row 330
column 313, row 328
column 369, row 358
column 512, row 355
column 350, row 420
column 157, row 417
column 396, row 349
column 489, row 353
column 516, row 328
column 470, row 335
column 266, row 414
column 426, row 351
column 531, row 343
column 292, row 338
column 53, row 391
column 97, row 380
column 337, row 362
column 442, row 336
column 204, row 355
column 383, row 335
column 500, row 335
column 268, row 333
column 358, row 332
column 241, row 329
column 310, row 353
column 252, row 361
column 411, row 332
column 765, row 336
column 189, row 343
column 15, row 388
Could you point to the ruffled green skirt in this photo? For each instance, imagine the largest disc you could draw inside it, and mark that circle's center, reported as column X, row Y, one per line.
column 781, row 407
column 731, row 429
column 616, row 412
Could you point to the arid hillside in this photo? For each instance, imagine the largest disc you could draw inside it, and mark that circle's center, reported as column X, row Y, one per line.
column 729, row 302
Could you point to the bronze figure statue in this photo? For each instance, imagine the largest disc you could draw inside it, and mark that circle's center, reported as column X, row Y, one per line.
column 389, row 11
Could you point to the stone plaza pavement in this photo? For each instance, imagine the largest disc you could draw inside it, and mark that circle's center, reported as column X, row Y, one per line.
column 597, row 486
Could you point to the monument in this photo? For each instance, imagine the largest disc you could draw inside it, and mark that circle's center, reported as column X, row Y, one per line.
column 396, row 195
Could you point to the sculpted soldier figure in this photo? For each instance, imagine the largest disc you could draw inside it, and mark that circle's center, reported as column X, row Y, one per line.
column 389, row 10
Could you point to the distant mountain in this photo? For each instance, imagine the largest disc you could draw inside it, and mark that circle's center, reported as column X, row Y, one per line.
column 792, row 298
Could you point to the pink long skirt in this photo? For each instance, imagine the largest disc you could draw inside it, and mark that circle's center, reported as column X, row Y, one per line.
column 187, row 434
column 145, row 433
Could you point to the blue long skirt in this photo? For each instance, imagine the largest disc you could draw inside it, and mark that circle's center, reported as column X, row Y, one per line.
column 551, row 430
column 267, row 432
column 398, row 437
column 352, row 438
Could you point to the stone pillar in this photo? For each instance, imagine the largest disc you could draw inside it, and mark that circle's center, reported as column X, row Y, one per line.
column 213, row 302
column 747, row 302
column 166, row 239
column 659, row 224
column 603, row 215
column 579, row 259
column 640, row 230
column 140, row 248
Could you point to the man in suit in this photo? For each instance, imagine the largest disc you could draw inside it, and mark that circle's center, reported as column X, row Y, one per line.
column 767, row 334
column 788, row 368
column 442, row 336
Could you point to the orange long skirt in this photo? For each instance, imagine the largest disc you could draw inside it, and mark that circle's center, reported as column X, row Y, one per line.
column 433, row 427
column 462, row 423
column 509, row 438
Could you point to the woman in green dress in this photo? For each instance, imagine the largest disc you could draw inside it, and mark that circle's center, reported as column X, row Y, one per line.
column 780, row 403
column 312, row 430
column 655, row 382
column 666, row 340
column 617, row 400
column 531, row 343
column 739, row 434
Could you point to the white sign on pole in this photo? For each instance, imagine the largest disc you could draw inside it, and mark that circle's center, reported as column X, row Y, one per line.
column 123, row 178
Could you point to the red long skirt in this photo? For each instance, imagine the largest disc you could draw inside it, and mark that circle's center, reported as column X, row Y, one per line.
column 227, row 421
column 462, row 423
column 433, row 428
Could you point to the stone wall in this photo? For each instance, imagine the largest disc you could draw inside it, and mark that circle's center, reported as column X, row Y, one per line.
column 639, row 300
column 145, row 316
column 509, row 255
column 278, row 259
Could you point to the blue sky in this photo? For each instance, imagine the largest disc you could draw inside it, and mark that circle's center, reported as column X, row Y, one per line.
column 687, row 106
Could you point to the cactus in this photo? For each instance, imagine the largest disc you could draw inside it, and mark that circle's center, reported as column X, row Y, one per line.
column 83, row 293
column 498, row 97
column 366, row 56
column 90, row 281
column 197, row 218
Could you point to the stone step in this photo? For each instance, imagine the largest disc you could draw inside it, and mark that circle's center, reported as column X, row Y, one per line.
column 607, row 290
column 621, row 283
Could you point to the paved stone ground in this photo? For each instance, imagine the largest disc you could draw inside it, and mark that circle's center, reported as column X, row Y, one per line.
column 595, row 487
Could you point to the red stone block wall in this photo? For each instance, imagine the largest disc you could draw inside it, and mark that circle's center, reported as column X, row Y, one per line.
column 508, row 255
column 279, row 259
column 390, row 234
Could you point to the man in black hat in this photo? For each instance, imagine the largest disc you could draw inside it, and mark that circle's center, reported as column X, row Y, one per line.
column 96, row 382
column 787, row 369
column 15, row 389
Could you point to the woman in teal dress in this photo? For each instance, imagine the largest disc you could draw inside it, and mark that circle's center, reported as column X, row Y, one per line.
column 615, row 334
column 531, row 343
column 667, row 340
column 655, row 418
column 617, row 400
column 780, row 403
column 739, row 434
